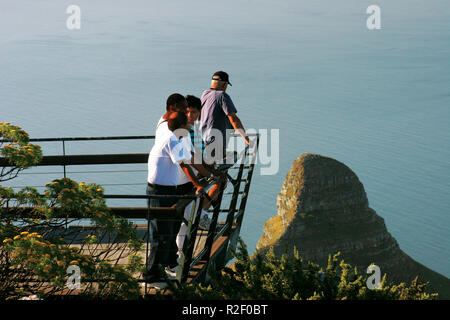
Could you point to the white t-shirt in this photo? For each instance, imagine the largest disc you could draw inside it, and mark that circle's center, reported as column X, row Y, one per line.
column 162, row 129
column 165, row 156
column 182, row 177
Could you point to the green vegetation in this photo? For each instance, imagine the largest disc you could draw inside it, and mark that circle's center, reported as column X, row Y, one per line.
column 34, row 258
column 266, row 277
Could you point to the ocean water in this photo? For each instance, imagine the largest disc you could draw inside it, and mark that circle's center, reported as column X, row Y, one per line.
column 378, row 101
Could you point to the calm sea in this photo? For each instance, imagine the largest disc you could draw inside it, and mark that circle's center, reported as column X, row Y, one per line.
column 379, row 101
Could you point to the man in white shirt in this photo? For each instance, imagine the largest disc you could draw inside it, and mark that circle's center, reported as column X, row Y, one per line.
column 167, row 154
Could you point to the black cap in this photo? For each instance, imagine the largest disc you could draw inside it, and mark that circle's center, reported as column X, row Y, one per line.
column 222, row 76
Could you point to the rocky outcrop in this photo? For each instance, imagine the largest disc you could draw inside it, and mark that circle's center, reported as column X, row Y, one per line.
column 323, row 208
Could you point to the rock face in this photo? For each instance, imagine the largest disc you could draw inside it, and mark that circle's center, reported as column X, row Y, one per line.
column 323, row 209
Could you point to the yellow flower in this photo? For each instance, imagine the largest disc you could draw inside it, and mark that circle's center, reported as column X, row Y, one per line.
column 99, row 189
column 7, row 240
column 24, row 233
column 73, row 262
column 17, row 237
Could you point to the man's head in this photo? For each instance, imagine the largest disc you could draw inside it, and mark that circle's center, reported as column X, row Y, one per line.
column 176, row 103
column 177, row 121
column 193, row 109
column 220, row 81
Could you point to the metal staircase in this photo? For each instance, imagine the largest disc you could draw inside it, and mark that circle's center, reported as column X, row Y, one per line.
column 202, row 249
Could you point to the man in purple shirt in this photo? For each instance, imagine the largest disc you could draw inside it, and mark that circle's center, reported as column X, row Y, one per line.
column 219, row 113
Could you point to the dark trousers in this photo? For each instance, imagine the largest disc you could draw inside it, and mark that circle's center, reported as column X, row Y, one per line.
column 164, row 235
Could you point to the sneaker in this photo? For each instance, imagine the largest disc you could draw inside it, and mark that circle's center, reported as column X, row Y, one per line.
column 204, row 222
column 171, row 272
column 158, row 285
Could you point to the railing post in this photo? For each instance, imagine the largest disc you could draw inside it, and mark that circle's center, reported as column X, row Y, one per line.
column 148, row 241
column 189, row 241
column 240, row 216
column 211, row 234
column 64, row 155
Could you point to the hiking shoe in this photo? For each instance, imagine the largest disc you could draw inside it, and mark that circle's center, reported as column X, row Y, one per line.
column 158, row 285
column 204, row 223
column 171, row 272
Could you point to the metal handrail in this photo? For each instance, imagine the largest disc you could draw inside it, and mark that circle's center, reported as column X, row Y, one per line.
column 188, row 261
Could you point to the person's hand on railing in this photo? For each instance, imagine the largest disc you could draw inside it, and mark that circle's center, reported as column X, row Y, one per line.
column 198, row 188
column 250, row 142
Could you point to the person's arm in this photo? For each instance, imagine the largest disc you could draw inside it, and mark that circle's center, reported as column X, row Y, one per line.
column 198, row 166
column 237, row 125
column 191, row 176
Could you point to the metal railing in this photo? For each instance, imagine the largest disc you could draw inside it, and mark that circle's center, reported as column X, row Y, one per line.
column 221, row 238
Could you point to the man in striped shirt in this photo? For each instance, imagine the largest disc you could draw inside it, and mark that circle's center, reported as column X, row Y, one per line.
column 193, row 113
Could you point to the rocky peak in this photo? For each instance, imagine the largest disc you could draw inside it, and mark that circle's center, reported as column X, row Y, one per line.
column 323, row 208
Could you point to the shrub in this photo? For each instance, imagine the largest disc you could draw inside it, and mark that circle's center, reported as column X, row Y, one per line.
column 35, row 245
column 266, row 277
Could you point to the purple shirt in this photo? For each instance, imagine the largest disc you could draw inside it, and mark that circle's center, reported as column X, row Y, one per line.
column 216, row 106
